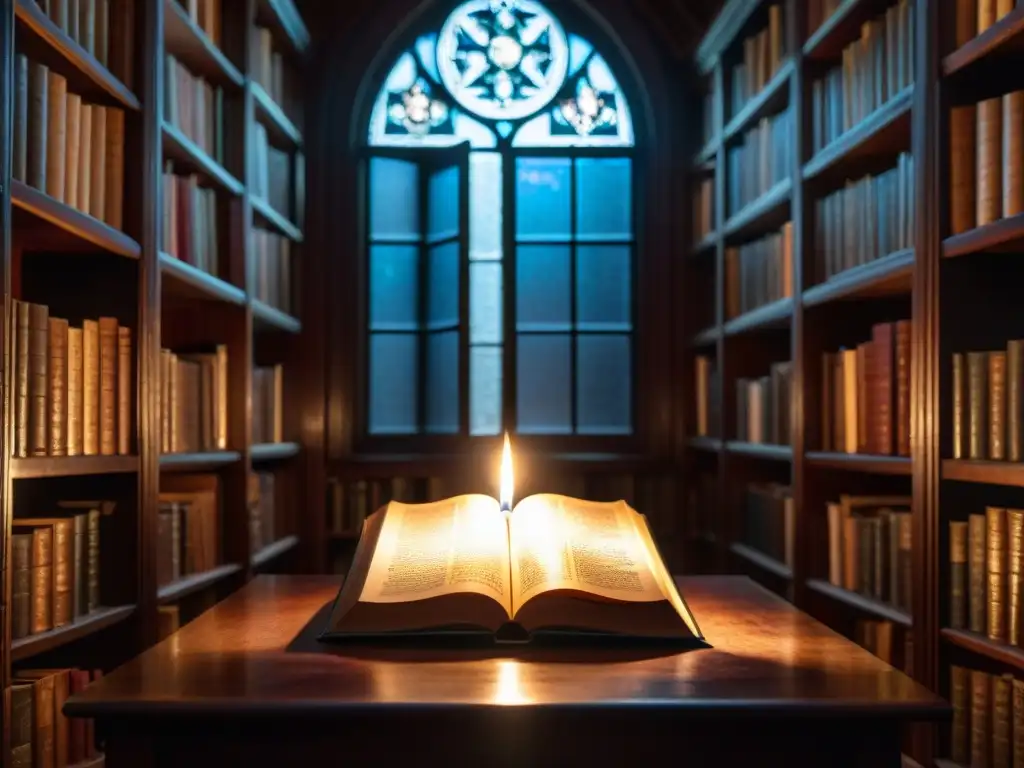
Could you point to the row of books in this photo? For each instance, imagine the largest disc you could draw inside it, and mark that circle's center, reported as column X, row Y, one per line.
column 769, row 521
column 763, row 54
column 190, row 220
column 271, row 173
column 105, row 29
column 761, row 160
column 194, row 400
column 988, row 718
column 55, row 562
column 880, row 638
column 875, row 68
column 986, row 170
column 263, row 528
column 972, row 17
column 41, row 735
column 703, row 209
column 267, row 66
column 708, row 421
column 194, row 107
column 272, row 272
column 73, row 387
column 870, row 539
column 207, row 15
column 987, row 418
column 763, row 406
column 865, row 394
column 867, row 219
column 68, row 148
column 268, row 404
column 986, row 562
column 188, row 527
column 759, row 272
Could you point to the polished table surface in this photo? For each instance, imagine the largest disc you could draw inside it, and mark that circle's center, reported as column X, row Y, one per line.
column 256, row 654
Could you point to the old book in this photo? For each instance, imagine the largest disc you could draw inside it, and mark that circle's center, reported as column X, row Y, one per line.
column 61, row 681
column 959, row 388
column 72, row 143
column 883, row 379
column 75, row 391
column 125, row 387
column 81, row 568
column 97, row 163
column 87, row 515
column 21, row 378
column 1002, row 719
column 903, row 346
column 995, row 526
column 1003, row 7
column 959, row 747
column 59, row 13
column 102, row 33
column 1013, row 153
column 990, row 160
column 56, row 127
column 986, row 14
column 1018, row 723
column 976, row 574
column 958, row 574
column 966, row 22
column 1014, row 411
column 108, row 386
column 58, row 407
column 553, row 564
column 21, row 725
column 114, row 171
column 19, row 155
column 977, row 406
column 87, row 25
column 63, row 563
column 1014, row 566
column 38, row 379
column 996, row 405
column 980, row 718
column 80, row 727
column 84, row 195
column 38, row 84
column 962, row 168
column 90, row 388
column 21, row 585
column 43, row 736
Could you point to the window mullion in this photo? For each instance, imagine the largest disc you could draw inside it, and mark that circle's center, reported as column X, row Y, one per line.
column 508, row 262
column 423, row 278
column 573, row 319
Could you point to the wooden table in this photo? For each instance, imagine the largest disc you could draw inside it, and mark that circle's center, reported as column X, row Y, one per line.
column 247, row 684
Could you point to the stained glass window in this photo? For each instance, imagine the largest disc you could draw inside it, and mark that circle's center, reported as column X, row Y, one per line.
column 502, row 78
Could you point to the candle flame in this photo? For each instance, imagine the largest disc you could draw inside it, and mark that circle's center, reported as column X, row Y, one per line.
column 505, row 492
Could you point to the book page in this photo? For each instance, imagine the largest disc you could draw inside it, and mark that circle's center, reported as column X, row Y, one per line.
column 562, row 543
column 427, row 550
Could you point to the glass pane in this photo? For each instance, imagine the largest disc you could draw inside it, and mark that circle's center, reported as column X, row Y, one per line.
column 542, row 198
column 579, row 49
column 543, row 300
column 603, row 288
column 485, row 388
column 443, row 203
column 394, row 287
column 543, row 381
column 604, row 200
column 442, row 382
column 394, row 199
column 443, row 285
column 485, row 210
column 604, row 385
column 485, row 305
column 394, row 364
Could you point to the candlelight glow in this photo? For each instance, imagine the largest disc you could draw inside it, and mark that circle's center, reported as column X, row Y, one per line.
column 505, row 488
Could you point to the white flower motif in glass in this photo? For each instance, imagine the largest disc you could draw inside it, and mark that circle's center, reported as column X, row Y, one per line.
column 589, row 110
column 502, row 59
column 416, row 111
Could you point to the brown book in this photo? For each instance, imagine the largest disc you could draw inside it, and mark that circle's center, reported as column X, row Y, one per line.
column 976, row 573
column 1013, row 153
column 75, row 391
column 39, row 379
column 1014, row 409
column 883, row 378
column 97, row 164
column 903, row 342
column 38, row 85
column 85, row 153
column 19, row 155
column 1002, row 720
column 90, row 388
column 958, row 575
column 995, row 526
column 977, row 407
column 63, row 561
column 87, row 25
column 125, row 387
column 92, row 511
column 58, row 10
column 72, row 143
column 966, row 22
column 962, row 168
column 1018, row 723
column 21, row 585
column 980, row 718
column 78, row 750
column 959, row 388
column 1003, row 7
column 996, row 405
column 22, row 397
column 58, row 386
column 990, row 161
column 44, row 747
column 1014, row 568
column 108, row 386
column 61, row 725
column 959, row 747
column 114, row 172
column 986, row 14
column 21, row 725
column 56, row 127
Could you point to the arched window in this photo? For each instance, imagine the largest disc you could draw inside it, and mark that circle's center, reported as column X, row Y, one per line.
column 500, row 233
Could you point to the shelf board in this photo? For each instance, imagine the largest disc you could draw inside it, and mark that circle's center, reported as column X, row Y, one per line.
column 761, row 560
column 774, row 94
column 887, row 276
column 984, row 646
column 1002, row 236
column 777, row 314
column 76, row 231
column 707, row 153
column 274, row 451
column 99, row 761
column 887, row 129
column 706, row 244
column 1003, row 41
column 101, row 618
column 706, row 338
column 268, row 318
column 854, row 462
column 862, row 603
column 280, row 130
column 170, row 593
column 281, row 17
column 44, row 42
column 188, row 155
column 273, row 551
column 190, row 44
column 760, row 450
column 183, row 279
column 767, row 211
column 992, row 472
column 270, row 218
column 712, row 444
column 841, row 28
column 72, row 466
column 197, row 462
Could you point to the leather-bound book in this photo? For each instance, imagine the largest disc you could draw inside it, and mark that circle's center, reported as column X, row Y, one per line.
column 1013, row 153
column 41, row 586
column 903, row 388
column 1014, row 565
column 125, row 388
column 990, row 161
column 72, row 145
column 75, row 391
column 56, row 127
column 19, row 155
column 884, row 377
column 38, row 85
column 58, row 372
column 1002, row 720
column 84, row 195
column 87, row 25
column 1018, row 723
column 43, row 736
column 958, row 574
column 21, row 378
column 38, row 379
column 977, row 406
column 63, row 563
column 963, row 168
column 976, row 574
column 108, row 386
column 21, row 725
column 1014, row 375
column 959, row 388
column 77, row 749
column 996, row 405
column 966, row 22
column 1003, row 7
column 21, row 585
column 114, row 170
column 97, row 164
column 980, row 719
column 90, row 388
column 995, row 525
column 986, row 14
column 60, row 680
column 959, row 694
column 92, row 574
column 905, row 560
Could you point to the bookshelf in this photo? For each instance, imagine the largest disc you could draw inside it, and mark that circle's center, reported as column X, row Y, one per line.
column 194, row 247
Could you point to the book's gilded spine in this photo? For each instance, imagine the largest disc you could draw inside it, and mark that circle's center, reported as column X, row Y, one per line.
column 977, row 412
column 995, row 523
column 958, row 574
column 976, row 575
column 996, row 405
column 980, row 720
column 1014, row 532
column 959, row 747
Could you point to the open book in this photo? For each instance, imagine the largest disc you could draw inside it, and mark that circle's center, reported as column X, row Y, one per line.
column 555, row 564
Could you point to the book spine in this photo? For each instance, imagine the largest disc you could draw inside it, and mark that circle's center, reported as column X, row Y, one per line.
column 958, row 575
column 39, row 379
column 108, row 386
column 58, row 409
column 976, row 573
column 995, row 525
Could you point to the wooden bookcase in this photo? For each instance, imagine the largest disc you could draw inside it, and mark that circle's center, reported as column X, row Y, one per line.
column 84, row 268
column 954, row 289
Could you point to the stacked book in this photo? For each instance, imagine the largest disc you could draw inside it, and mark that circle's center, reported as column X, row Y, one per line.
column 759, row 272
column 188, row 528
column 762, row 159
column 763, row 55
column 987, row 421
column 769, row 522
column 272, row 259
column 40, row 733
column 763, row 406
column 866, row 394
column 194, row 400
column 194, row 107
column 268, row 404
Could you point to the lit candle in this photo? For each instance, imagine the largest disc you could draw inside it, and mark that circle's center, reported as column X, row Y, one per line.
column 505, row 491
